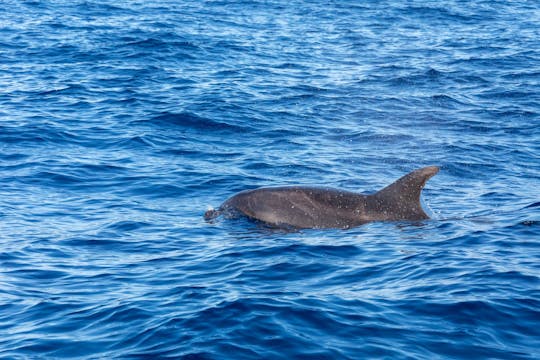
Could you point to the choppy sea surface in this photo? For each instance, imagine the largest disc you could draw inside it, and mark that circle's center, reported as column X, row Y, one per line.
column 122, row 122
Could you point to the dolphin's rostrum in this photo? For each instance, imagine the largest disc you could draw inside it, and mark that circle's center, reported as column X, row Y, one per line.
column 314, row 207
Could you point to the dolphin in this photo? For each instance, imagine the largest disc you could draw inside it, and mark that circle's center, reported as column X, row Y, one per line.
column 319, row 207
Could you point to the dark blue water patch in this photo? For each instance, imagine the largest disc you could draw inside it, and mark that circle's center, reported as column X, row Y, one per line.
column 40, row 274
column 190, row 121
column 536, row 204
column 122, row 226
column 166, row 45
column 446, row 102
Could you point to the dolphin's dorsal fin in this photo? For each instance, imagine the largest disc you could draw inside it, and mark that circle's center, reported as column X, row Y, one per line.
column 403, row 196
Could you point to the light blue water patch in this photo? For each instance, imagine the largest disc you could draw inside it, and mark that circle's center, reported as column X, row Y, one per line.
column 120, row 124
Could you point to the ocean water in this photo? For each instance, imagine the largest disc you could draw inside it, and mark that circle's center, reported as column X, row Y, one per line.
column 122, row 122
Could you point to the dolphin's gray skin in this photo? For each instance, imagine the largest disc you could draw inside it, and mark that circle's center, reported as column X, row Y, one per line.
column 312, row 207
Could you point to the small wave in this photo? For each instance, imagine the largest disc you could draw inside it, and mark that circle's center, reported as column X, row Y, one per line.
column 56, row 178
column 536, row 204
column 40, row 274
column 419, row 78
column 191, row 121
column 447, row 101
column 134, row 142
column 148, row 43
column 127, row 225
column 103, row 240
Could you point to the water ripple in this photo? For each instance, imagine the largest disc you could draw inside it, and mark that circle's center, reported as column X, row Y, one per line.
column 121, row 124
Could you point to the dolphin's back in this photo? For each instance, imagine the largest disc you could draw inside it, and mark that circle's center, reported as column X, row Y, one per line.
column 313, row 207
column 301, row 207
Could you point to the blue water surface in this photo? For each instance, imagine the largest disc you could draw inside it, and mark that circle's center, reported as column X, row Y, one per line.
column 122, row 122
